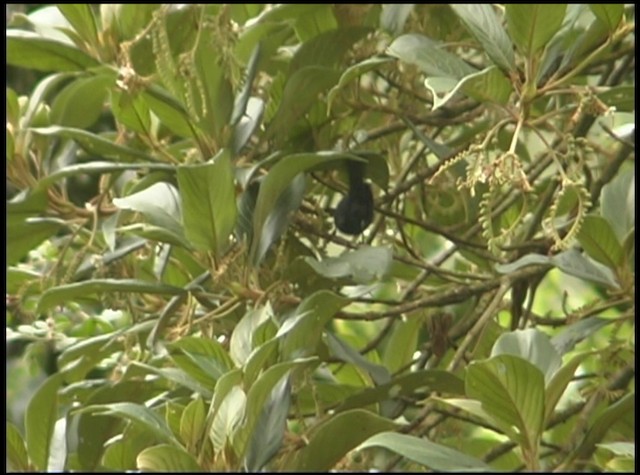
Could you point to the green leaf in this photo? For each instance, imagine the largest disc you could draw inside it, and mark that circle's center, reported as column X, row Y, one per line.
column 483, row 23
column 363, row 265
column 242, row 99
column 512, row 391
column 302, row 331
column 394, row 16
column 618, row 201
column 300, row 93
column 608, row 13
column 24, row 236
column 439, row 458
column 622, row 408
column 121, row 455
column 170, row 112
column 354, row 72
column 600, row 242
column 80, row 103
column 258, row 395
column 334, row 438
column 326, row 49
column 559, row 382
column 241, row 344
column 566, row 339
column 40, row 419
column 429, row 56
column 96, row 167
column 83, row 20
column 29, row 50
column 167, row 458
column 228, row 418
column 343, row 351
column 131, row 111
column 402, row 343
column 267, row 435
column 276, row 224
column 70, row 292
column 208, row 202
column 574, row 263
column 94, row 144
column 203, row 358
column 137, row 414
column 94, row 432
column 17, row 458
column 212, row 83
column 192, row 423
column 419, row 382
column 277, row 181
column 531, row 345
column 532, row 25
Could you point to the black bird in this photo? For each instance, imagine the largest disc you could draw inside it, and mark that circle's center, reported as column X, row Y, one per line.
column 355, row 212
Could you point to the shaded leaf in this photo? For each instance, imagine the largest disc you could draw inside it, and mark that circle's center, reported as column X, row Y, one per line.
column 302, row 331
column 94, row 144
column 394, row 16
column 511, row 390
column 429, row 56
column 17, row 458
column 532, row 25
column 600, row 242
column 531, row 345
column 40, row 419
column 30, row 50
column 268, row 432
column 137, row 414
column 567, row 338
column 83, row 20
column 166, row 458
column 363, row 265
column 73, row 292
column 208, row 202
column 608, row 13
column 435, row 456
column 333, row 439
column 483, row 23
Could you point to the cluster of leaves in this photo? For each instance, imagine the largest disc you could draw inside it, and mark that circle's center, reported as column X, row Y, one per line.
column 172, row 257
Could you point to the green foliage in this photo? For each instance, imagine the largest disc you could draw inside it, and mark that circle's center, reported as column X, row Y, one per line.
column 178, row 298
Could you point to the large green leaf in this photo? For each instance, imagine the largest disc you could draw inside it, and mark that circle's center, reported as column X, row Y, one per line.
column 363, row 265
column 619, row 200
column 83, row 20
column 512, row 391
column 228, row 417
column 73, row 292
column 29, row 50
column 300, row 93
column 40, row 419
column 608, row 13
column 192, row 423
column 137, row 414
column 414, row 384
column 93, row 432
column 531, row 345
column 208, row 202
column 277, row 181
column 334, row 438
column 429, row 56
column 167, row 458
column 302, row 331
column 483, row 23
column 531, row 25
column 80, row 103
column 437, row 457
column 600, row 242
column 268, row 432
column 17, row 458
column 242, row 340
column 95, row 144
